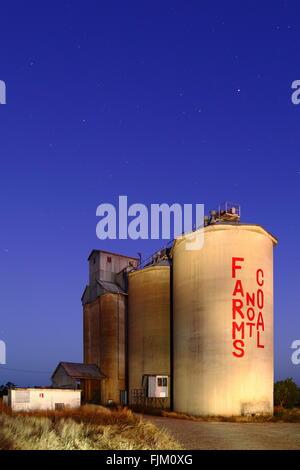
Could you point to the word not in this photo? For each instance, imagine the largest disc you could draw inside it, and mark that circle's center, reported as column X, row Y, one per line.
column 160, row 222
column 2, row 352
column 2, row 92
column 296, row 354
column 247, row 323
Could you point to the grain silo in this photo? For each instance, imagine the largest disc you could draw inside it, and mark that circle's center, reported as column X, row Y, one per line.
column 149, row 334
column 223, row 319
column 104, row 325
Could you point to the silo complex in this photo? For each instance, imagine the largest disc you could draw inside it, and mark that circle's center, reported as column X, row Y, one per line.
column 191, row 330
column 149, row 333
column 223, row 322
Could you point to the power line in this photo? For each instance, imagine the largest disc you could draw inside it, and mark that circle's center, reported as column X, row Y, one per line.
column 24, row 370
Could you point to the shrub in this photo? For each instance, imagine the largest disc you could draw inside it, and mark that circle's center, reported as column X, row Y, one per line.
column 286, row 393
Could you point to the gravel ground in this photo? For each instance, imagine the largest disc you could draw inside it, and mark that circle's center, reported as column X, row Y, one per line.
column 227, row 436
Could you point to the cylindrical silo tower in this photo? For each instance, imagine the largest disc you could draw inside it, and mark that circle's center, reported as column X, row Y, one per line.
column 104, row 345
column 223, row 322
column 149, row 335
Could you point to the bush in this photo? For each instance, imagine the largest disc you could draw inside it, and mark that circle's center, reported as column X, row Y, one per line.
column 4, row 388
column 286, row 393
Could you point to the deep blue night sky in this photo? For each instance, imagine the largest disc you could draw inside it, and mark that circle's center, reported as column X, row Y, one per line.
column 170, row 101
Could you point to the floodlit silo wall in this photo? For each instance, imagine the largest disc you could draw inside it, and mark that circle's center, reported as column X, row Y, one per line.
column 104, row 344
column 223, row 322
column 148, row 327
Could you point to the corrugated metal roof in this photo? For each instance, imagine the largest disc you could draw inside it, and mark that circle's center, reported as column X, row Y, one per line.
column 81, row 371
column 111, row 287
column 86, row 295
column 111, row 253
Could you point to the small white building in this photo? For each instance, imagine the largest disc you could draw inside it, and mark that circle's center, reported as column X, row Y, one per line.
column 158, row 386
column 29, row 399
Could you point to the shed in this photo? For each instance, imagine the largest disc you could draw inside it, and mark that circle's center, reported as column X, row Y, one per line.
column 76, row 375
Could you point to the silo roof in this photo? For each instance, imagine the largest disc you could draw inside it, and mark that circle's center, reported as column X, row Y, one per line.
column 111, row 287
column 224, row 225
column 110, row 253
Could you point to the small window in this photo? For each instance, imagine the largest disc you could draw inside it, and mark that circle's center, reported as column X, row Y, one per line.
column 22, row 396
column 109, row 259
column 162, row 382
column 59, row 406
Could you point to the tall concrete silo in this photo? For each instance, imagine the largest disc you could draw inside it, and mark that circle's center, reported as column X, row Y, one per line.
column 104, row 345
column 223, row 322
column 149, row 335
column 104, row 325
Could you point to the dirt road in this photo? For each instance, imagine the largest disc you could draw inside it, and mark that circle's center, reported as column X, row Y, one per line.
column 226, row 436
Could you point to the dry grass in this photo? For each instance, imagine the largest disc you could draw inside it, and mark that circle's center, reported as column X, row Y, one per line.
column 89, row 427
column 281, row 415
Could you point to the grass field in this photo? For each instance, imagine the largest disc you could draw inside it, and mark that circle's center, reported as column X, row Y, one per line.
column 86, row 428
column 92, row 427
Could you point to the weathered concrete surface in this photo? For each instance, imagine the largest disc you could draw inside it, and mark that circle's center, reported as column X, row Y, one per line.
column 104, row 345
column 148, row 325
column 210, row 377
column 231, row 436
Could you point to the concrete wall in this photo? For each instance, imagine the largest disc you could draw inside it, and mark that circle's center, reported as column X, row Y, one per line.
column 42, row 399
column 218, row 369
column 148, row 324
column 104, row 342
